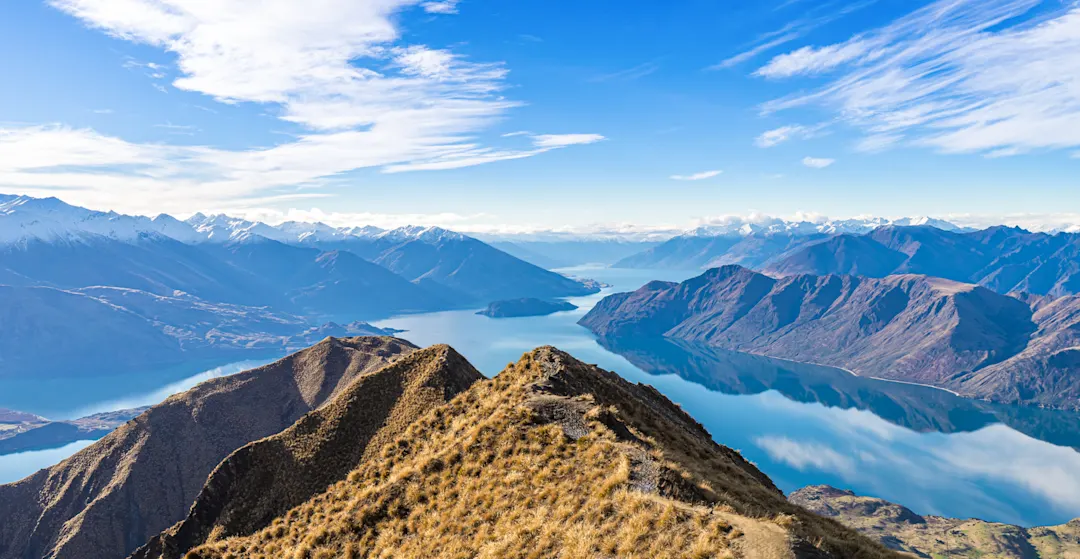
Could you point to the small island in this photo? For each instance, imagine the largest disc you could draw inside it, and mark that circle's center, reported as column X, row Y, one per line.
column 515, row 308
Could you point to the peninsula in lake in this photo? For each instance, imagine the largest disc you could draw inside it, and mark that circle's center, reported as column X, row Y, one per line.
column 530, row 306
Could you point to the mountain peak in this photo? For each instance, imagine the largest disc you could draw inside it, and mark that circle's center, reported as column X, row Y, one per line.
column 548, row 434
column 423, row 233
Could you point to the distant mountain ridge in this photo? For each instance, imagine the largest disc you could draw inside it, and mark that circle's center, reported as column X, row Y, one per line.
column 911, row 328
column 216, row 285
column 1005, row 259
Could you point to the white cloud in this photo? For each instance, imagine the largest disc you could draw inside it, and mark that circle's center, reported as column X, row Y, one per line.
column 562, row 140
column 441, row 7
column 960, row 76
column 817, row 162
column 755, row 51
column 810, row 60
column 696, row 176
column 780, row 135
column 335, row 67
column 877, row 142
column 820, row 14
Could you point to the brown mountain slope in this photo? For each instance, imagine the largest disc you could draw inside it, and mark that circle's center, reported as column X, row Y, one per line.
column 907, row 327
column 266, row 478
column 551, row 458
column 111, row 497
column 1045, row 372
column 935, row 536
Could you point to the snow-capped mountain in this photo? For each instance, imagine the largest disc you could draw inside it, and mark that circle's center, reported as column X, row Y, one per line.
column 757, row 225
column 23, row 219
column 223, row 229
column 418, row 232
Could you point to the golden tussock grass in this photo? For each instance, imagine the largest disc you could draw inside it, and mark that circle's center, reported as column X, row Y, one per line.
column 552, row 458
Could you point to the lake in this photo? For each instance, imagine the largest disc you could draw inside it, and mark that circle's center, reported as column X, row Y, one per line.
column 801, row 424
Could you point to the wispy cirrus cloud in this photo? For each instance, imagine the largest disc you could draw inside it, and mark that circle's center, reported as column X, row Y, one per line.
column 629, row 74
column 697, row 176
column 997, row 77
column 819, row 15
column 780, row 135
column 563, row 140
column 336, row 68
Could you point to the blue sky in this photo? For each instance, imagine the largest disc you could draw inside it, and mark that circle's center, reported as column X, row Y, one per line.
column 486, row 115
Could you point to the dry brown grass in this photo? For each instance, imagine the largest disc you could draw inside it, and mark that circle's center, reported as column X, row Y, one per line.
column 114, row 495
column 551, row 458
column 266, row 478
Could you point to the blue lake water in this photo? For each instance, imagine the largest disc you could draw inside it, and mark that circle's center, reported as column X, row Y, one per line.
column 801, row 424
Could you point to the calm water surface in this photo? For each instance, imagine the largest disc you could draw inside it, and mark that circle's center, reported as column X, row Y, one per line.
column 801, row 424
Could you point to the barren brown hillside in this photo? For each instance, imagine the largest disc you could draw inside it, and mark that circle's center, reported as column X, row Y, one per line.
column 111, row 497
column 552, row 458
column 266, row 478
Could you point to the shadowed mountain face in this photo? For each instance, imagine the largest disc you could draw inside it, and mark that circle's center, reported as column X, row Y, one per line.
column 1000, row 258
column 166, row 301
column 103, row 330
column 266, row 478
column 253, row 272
column 551, row 458
column 1003, row 259
column 461, row 268
column 352, row 274
column 908, row 327
column 933, row 536
column 111, row 497
column 52, row 332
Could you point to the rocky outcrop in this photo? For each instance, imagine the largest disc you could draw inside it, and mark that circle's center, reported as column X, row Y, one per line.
column 933, row 536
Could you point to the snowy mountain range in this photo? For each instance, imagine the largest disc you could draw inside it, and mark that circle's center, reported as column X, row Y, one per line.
column 741, row 227
column 23, row 218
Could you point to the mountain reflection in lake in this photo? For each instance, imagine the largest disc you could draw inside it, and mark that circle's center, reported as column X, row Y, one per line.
column 919, row 408
column 923, row 447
